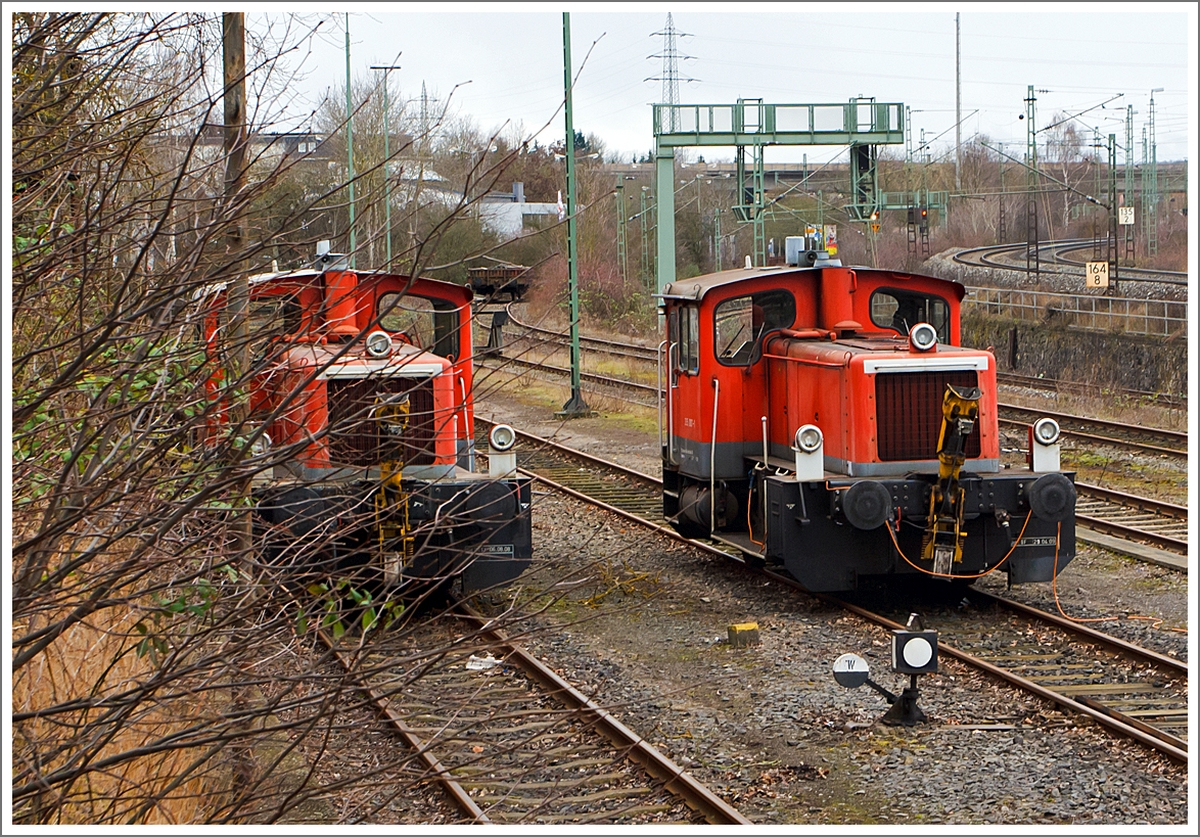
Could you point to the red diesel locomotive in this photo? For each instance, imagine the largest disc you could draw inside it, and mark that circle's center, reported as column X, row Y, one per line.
column 361, row 392
column 825, row 418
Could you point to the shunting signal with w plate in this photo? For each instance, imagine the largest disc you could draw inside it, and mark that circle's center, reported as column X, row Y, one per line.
column 914, row 652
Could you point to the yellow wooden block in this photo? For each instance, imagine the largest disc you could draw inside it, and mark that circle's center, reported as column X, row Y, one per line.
column 743, row 633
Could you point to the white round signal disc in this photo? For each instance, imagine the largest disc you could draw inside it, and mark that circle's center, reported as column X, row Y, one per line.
column 917, row 652
column 850, row 670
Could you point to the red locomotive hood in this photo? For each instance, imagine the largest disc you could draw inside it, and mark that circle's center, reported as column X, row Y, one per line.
column 340, row 361
column 890, row 351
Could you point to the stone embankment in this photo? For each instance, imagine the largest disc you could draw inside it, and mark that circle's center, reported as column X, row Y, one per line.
column 1054, row 345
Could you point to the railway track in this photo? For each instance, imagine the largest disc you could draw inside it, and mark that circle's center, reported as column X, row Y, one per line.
column 1141, row 520
column 1134, row 692
column 1054, row 253
column 1151, row 440
column 1159, row 524
column 1056, row 386
column 1156, row 441
column 634, row 392
column 509, row 741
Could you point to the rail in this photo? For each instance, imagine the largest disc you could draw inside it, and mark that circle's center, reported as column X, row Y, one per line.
column 1153, row 317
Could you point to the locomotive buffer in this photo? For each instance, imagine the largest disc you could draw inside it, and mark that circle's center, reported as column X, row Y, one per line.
column 944, row 533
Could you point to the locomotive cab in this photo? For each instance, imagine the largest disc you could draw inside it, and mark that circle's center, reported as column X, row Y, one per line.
column 361, row 386
column 827, row 419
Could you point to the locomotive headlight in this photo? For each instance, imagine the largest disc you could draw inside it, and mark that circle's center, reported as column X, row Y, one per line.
column 502, row 437
column 809, row 438
column 1045, row 431
column 379, row 344
column 922, row 337
column 261, row 445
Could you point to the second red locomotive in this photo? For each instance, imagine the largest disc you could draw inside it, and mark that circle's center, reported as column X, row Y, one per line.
column 826, row 418
column 361, row 395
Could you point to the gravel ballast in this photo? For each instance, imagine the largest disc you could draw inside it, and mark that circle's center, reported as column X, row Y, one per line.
column 767, row 727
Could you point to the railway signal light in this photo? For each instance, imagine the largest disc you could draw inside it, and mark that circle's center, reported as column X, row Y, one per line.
column 924, row 212
column 809, row 449
column 379, row 344
column 914, row 649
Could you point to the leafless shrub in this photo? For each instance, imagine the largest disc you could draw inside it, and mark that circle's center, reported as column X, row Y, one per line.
column 146, row 676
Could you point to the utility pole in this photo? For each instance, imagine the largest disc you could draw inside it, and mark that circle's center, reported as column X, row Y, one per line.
column 350, row 143
column 1097, row 190
column 670, row 72
column 1001, row 229
column 957, row 107
column 1150, row 186
column 622, row 252
column 717, row 237
column 1129, row 165
column 646, row 273
column 575, row 406
column 233, row 37
column 1112, row 254
column 1031, row 219
column 387, row 160
column 234, row 48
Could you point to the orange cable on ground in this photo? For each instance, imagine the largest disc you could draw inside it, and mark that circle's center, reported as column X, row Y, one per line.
column 1054, row 583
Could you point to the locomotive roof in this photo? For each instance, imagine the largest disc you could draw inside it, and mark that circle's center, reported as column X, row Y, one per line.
column 694, row 289
column 311, row 273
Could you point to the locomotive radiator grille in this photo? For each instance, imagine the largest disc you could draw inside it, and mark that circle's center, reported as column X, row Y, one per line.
column 358, row 440
column 909, row 413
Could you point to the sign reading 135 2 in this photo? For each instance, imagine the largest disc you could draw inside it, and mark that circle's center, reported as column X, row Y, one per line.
column 1097, row 274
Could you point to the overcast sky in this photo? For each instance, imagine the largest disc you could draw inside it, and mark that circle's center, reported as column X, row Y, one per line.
column 503, row 63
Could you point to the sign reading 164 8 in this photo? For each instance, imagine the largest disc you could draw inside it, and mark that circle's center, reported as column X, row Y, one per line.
column 1097, row 274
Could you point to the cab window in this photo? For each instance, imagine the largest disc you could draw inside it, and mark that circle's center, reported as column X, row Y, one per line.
column 270, row 317
column 430, row 324
column 901, row 310
column 683, row 332
column 740, row 323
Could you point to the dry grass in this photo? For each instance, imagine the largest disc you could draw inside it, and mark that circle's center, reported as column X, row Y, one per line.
column 95, row 660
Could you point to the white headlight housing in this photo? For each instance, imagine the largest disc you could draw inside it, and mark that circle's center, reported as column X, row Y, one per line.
column 502, row 437
column 922, row 337
column 261, row 445
column 1045, row 431
column 379, row 344
column 809, row 438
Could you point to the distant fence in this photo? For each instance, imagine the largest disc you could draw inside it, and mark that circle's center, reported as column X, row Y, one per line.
column 1151, row 317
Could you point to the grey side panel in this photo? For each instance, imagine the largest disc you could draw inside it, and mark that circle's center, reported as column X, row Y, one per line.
column 695, row 458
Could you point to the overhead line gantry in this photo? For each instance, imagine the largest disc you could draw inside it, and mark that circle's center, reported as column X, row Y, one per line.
column 861, row 124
